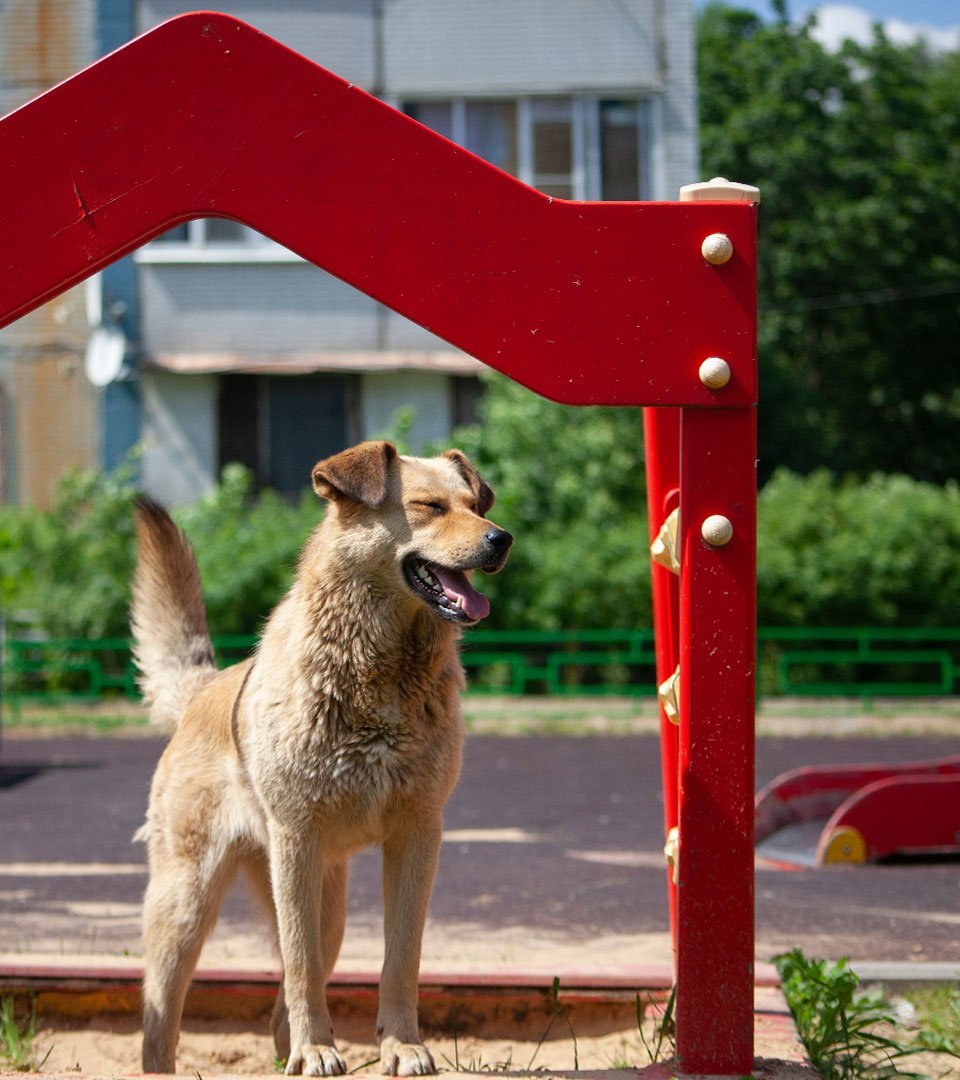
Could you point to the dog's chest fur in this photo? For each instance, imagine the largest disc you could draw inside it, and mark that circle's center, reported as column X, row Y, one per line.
column 357, row 724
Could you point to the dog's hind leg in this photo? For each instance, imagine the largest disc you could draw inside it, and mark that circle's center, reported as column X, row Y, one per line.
column 180, row 908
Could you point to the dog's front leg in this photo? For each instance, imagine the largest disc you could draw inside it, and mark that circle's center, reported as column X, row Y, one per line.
column 409, row 865
column 296, row 871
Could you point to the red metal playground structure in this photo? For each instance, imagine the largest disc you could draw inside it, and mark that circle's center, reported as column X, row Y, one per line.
column 650, row 304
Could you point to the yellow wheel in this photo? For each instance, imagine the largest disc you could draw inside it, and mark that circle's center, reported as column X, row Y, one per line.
column 844, row 845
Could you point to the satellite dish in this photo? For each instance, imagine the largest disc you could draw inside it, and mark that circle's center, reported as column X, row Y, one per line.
column 103, row 359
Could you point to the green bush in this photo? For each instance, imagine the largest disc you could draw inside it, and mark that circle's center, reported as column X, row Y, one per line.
column 66, row 571
column 570, row 487
column 831, row 551
column 246, row 548
column 884, row 552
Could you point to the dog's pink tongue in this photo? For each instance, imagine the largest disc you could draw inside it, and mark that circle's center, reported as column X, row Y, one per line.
column 457, row 588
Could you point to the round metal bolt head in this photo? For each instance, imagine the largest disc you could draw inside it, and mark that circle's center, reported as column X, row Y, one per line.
column 715, row 373
column 717, row 249
column 717, row 530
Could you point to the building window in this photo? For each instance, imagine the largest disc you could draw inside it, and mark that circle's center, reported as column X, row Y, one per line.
column 467, row 392
column 551, row 125
column 436, row 115
column 491, row 132
column 212, row 232
column 624, row 168
column 569, row 147
column 280, row 426
column 486, row 128
column 213, row 237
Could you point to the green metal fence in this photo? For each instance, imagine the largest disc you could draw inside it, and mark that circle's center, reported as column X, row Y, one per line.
column 860, row 661
column 821, row 662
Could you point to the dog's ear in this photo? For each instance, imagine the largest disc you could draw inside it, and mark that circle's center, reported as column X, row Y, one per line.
column 359, row 473
column 480, row 488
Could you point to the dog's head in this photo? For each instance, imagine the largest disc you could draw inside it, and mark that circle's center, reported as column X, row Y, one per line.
column 421, row 519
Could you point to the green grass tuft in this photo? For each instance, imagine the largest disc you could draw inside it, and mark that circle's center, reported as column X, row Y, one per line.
column 16, row 1039
column 848, row 1032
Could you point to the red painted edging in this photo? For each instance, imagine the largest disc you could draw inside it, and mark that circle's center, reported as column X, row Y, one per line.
column 646, row 976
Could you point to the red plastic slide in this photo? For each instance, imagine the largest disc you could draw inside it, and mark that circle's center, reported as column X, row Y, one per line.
column 860, row 813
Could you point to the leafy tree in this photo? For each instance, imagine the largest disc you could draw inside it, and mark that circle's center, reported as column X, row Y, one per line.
column 857, row 155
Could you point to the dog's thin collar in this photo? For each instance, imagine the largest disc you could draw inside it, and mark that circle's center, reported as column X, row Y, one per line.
column 235, row 714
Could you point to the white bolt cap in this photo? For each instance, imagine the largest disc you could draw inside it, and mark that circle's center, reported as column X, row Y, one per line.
column 717, row 530
column 715, row 373
column 717, row 249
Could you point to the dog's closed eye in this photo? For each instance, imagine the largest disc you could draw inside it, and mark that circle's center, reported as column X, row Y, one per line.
column 432, row 505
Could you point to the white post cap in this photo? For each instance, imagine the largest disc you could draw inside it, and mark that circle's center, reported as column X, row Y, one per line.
column 719, row 189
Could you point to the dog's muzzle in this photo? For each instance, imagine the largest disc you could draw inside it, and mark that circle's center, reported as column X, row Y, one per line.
column 447, row 589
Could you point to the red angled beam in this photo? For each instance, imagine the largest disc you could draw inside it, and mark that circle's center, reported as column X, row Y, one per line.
column 586, row 303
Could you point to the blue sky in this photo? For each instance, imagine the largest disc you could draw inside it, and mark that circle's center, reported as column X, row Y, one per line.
column 937, row 20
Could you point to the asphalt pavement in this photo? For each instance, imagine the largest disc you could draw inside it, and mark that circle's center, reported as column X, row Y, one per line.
column 549, row 839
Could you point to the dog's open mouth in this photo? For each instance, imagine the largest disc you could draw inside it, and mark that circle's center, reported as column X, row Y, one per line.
column 447, row 591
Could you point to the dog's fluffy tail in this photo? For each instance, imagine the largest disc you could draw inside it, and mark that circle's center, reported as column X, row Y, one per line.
column 172, row 646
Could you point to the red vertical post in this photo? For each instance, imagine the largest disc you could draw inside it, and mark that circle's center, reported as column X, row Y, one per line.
column 715, row 938
column 661, row 438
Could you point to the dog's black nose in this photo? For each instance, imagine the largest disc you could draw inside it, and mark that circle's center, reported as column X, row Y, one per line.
column 498, row 539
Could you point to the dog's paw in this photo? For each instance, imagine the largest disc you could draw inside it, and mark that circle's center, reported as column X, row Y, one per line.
column 316, row 1061
column 405, row 1059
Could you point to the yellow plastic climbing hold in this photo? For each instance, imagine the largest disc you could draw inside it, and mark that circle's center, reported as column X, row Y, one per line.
column 671, row 852
column 845, row 844
column 664, row 550
column 669, row 694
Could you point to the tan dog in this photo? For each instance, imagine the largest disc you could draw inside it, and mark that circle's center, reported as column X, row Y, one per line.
column 344, row 730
